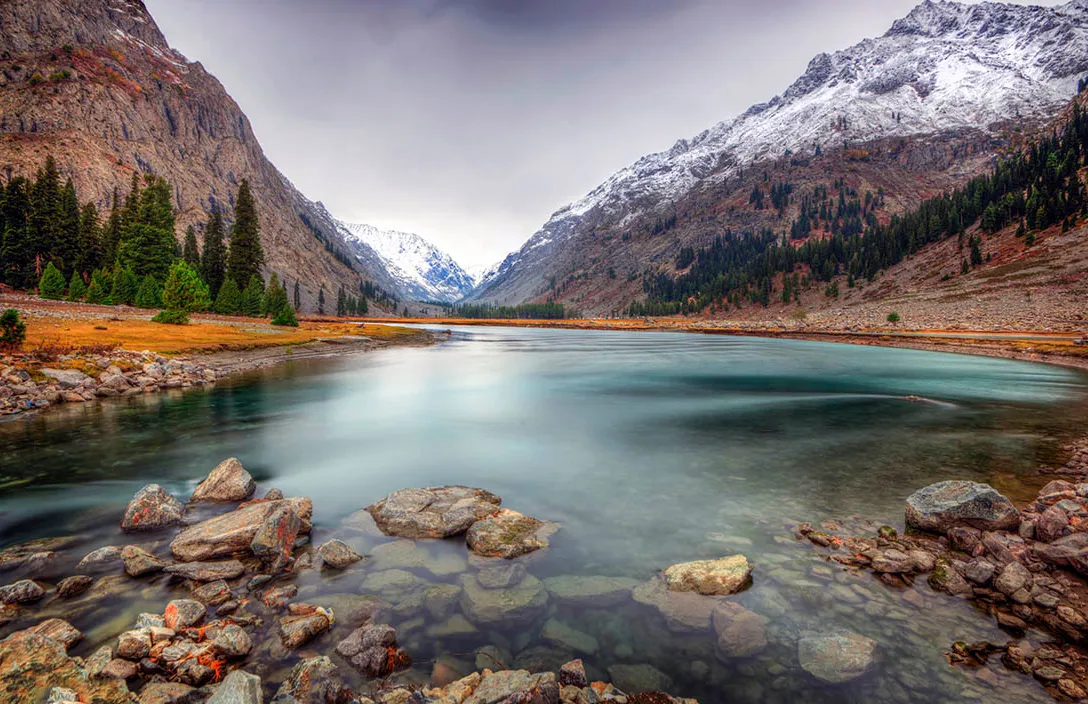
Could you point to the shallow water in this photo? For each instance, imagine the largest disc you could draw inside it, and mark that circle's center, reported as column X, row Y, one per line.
column 648, row 448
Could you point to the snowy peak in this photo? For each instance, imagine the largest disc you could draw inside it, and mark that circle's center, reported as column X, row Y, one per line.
column 425, row 272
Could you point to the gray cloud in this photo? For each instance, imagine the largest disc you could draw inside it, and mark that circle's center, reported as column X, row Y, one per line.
column 471, row 121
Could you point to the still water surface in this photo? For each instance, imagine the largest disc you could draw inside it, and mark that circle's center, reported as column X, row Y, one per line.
column 648, row 448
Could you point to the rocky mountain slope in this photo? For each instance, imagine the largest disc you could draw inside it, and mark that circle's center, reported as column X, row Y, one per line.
column 422, row 271
column 95, row 84
column 933, row 100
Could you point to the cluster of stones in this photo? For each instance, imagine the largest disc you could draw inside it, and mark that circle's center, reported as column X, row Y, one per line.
column 83, row 378
column 1027, row 568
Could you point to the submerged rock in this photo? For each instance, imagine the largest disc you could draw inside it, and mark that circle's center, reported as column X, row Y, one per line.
column 435, row 512
column 565, row 636
column 590, row 590
column 337, row 554
column 234, row 531
column 837, row 656
column 636, row 679
column 152, row 508
column 945, row 505
column 229, row 481
column 740, row 632
column 721, row 577
column 519, row 605
column 683, row 611
column 508, row 534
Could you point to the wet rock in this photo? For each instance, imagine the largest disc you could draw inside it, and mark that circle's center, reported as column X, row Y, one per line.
column 274, row 540
column 238, row 688
column 102, row 559
column 893, row 562
column 25, row 591
column 169, row 693
column 314, row 681
column 183, row 613
column 73, row 586
column 206, row 571
column 139, row 562
column 979, row 571
column 683, row 611
column 435, row 512
column 573, row 674
column 373, row 650
column 213, row 593
column 152, row 508
column 837, row 656
column 945, row 505
column 518, row 605
column 59, row 630
column 439, row 599
column 134, row 645
column 31, row 664
column 33, row 554
column 234, row 531
column 229, row 481
column 740, row 632
column 636, row 679
column 337, row 555
column 566, row 636
column 232, row 642
column 61, row 695
column 500, row 574
column 299, row 629
column 1070, row 551
column 923, row 561
column 510, row 686
column 590, row 591
column 121, row 670
column 1012, row 579
column 277, row 597
column 1051, row 525
column 964, row 538
column 508, row 534
column 721, row 577
column 453, row 627
column 1071, row 689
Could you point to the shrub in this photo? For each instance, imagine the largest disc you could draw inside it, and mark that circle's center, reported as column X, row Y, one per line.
column 253, row 297
column 98, row 291
column 76, row 288
column 51, row 285
column 229, row 300
column 12, row 330
column 286, row 316
column 36, row 80
column 125, row 287
column 58, row 76
column 275, row 298
column 149, row 294
column 171, row 317
column 893, row 317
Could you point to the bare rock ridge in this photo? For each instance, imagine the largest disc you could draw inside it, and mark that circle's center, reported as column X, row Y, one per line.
column 930, row 103
column 95, row 84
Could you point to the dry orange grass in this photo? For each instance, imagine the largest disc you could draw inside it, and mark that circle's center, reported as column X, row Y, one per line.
column 204, row 334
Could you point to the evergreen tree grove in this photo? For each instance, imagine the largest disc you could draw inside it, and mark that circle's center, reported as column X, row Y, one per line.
column 253, row 297
column 149, row 295
column 275, row 298
column 51, row 284
column 246, row 256
column 229, row 300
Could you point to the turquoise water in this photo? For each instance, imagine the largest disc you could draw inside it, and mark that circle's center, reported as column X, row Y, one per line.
column 648, row 448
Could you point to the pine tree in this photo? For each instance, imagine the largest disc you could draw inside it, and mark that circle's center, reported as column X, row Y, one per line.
column 183, row 293
column 253, row 296
column 149, row 295
column 298, row 296
column 125, row 287
column 51, row 284
column 275, row 298
column 67, row 248
column 321, row 300
column 246, row 256
column 89, row 256
column 213, row 262
column 16, row 257
column 363, row 306
column 76, row 288
column 148, row 245
column 341, row 303
column 44, row 233
column 286, row 316
column 229, row 300
column 99, row 290
column 111, row 234
column 189, row 251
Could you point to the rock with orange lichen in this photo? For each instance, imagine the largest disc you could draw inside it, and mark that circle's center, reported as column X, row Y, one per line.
column 234, row 531
column 31, row 664
column 303, row 624
column 274, row 539
column 373, row 650
column 315, row 681
column 152, row 508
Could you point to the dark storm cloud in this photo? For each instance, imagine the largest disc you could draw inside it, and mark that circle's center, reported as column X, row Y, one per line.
column 471, row 121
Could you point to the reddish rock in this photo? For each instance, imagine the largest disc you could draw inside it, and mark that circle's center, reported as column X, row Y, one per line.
column 434, row 512
column 234, row 531
column 31, row 664
column 274, row 540
column 152, row 508
column 229, row 481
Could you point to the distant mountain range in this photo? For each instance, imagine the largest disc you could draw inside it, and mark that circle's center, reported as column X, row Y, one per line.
column 422, row 271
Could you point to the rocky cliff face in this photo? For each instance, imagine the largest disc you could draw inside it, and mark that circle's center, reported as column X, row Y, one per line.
column 95, row 84
column 941, row 81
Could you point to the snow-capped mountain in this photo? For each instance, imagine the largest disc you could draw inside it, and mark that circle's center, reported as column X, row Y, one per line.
column 946, row 66
column 424, row 272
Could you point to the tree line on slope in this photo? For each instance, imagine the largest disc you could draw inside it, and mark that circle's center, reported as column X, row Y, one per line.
column 1037, row 188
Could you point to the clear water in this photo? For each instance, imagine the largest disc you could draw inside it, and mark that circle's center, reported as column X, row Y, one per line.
column 648, row 448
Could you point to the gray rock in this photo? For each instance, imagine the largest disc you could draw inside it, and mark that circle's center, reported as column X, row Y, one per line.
column 837, row 656
column 945, row 505
column 683, row 611
column 740, row 633
column 721, row 577
column 337, row 555
column 435, row 512
column 183, row 613
column 229, row 481
column 206, row 571
column 893, row 561
column 73, row 586
column 232, row 642
column 508, row 534
column 589, row 591
column 573, row 674
column 139, row 562
column 1013, row 578
column 566, row 636
column 274, row 539
column 1070, row 551
column 234, row 531
column 980, row 572
column 25, row 591
column 313, row 681
column 1051, row 525
column 518, row 605
column 152, row 509
column 636, row 679
column 372, row 649
column 516, row 686
column 238, row 688
column 66, row 378
column 102, row 559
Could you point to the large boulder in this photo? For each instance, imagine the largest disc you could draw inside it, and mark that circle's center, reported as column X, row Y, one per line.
column 274, row 540
column 435, row 512
column 837, row 656
column 233, row 532
column 152, row 508
column 31, row 664
column 229, row 481
column 945, row 505
column 721, row 577
column 508, row 534
column 518, row 605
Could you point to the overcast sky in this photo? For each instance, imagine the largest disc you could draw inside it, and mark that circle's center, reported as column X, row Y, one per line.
column 471, row 121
